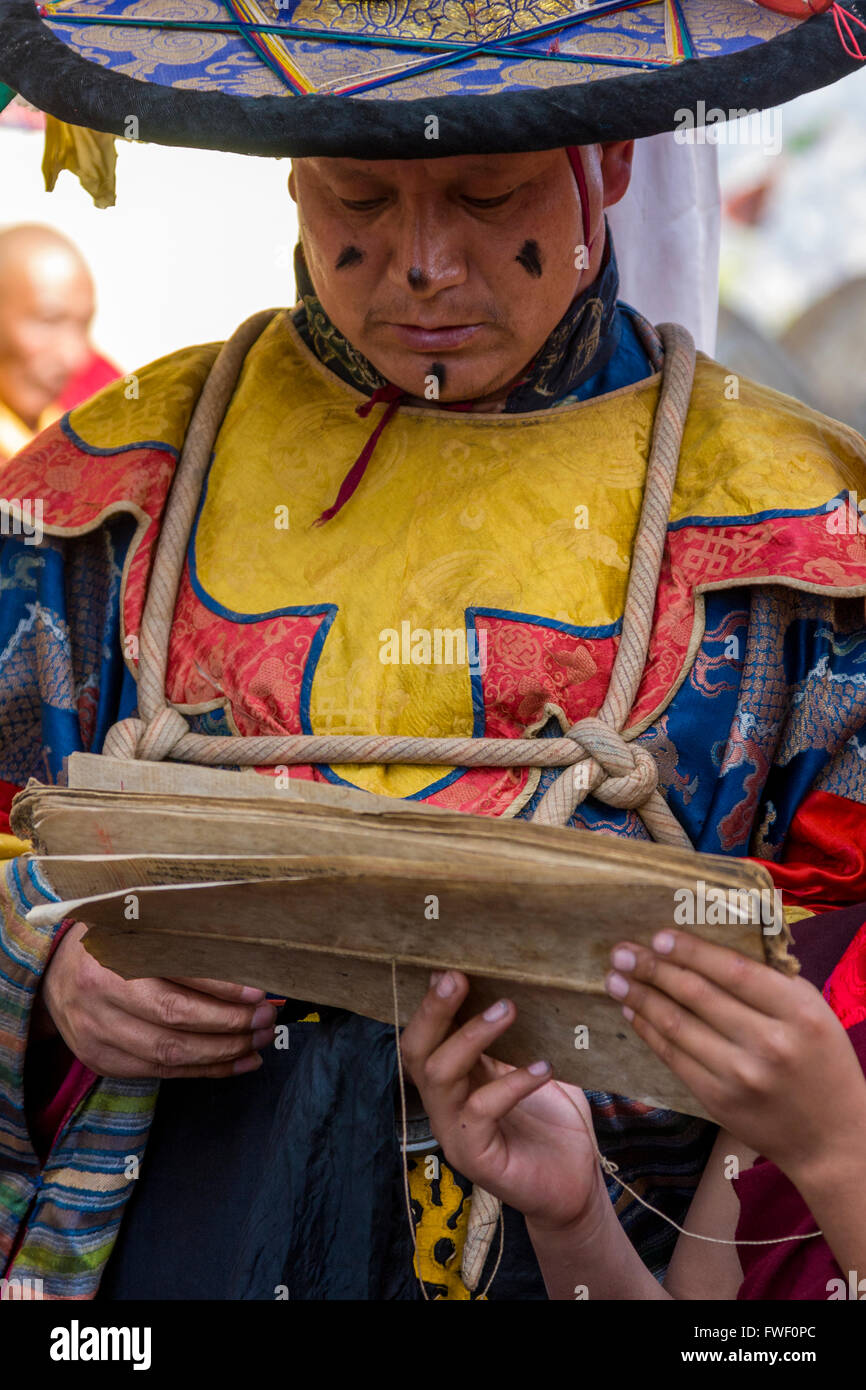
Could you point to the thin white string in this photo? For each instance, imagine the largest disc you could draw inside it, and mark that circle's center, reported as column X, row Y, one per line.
column 607, row 1165
column 485, row 1291
column 404, row 1124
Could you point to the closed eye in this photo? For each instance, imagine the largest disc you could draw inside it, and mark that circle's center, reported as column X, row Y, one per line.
column 488, row 202
column 366, row 206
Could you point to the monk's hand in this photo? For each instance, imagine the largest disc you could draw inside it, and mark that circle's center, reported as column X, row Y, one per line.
column 152, row 1028
column 507, row 1129
column 762, row 1051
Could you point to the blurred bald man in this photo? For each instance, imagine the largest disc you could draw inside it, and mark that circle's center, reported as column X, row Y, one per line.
column 47, row 364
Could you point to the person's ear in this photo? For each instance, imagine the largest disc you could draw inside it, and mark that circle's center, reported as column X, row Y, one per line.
column 293, row 192
column 616, row 158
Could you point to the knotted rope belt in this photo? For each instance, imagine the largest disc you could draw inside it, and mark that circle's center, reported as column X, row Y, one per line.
column 610, row 768
column 594, row 754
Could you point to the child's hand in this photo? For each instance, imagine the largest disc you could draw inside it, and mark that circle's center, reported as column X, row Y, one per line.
column 505, row 1128
column 764, row 1052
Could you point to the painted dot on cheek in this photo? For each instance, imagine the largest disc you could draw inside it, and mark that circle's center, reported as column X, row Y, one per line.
column 529, row 256
column 350, row 255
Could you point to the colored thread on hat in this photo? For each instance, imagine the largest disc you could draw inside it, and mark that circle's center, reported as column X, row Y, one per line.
column 258, row 35
column 842, row 19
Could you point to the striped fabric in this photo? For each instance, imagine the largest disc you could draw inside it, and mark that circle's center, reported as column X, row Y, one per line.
column 70, row 1210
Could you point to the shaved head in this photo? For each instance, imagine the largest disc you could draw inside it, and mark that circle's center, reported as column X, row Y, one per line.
column 46, row 307
column 28, row 241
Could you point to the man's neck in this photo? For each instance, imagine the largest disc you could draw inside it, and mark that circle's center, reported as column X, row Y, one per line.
column 492, row 404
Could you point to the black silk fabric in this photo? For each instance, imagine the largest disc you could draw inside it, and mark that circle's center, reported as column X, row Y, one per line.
column 54, row 78
column 286, row 1183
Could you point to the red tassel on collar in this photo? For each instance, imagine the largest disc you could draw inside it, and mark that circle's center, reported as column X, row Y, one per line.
column 393, row 395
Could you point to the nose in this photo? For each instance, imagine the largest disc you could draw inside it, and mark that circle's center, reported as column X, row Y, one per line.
column 427, row 254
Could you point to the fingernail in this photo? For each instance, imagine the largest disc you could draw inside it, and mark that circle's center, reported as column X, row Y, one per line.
column 251, row 1062
column 664, row 943
column 435, row 978
column 250, row 995
column 446, row 986
column 538, row 1068
column 264, row 1016
column 262, row 1038
column 497, row 1010
column 627, row 1013
column 616, row 985
column 623, row 958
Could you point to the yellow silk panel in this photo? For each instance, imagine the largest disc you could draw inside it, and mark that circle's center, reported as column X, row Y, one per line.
column 532, row 515
column 151, row 405
column 759, row 452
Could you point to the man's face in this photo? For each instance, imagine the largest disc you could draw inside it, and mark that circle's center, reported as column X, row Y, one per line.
column 46, row 306
column 452, row 269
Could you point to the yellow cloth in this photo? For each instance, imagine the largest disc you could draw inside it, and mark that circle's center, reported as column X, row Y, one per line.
column 492, row 526
column 441, row 1220
column 89, row 154
column 14, row 434
column 11, row 846
column 531, row 515
column 796, row 914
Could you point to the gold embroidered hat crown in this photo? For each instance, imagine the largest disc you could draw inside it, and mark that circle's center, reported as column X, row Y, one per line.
column 401, row 79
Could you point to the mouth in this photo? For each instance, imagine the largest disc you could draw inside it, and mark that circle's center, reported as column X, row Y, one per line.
column 448, row 336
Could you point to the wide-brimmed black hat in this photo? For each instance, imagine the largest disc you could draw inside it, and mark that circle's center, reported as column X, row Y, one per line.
column 417, row 78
